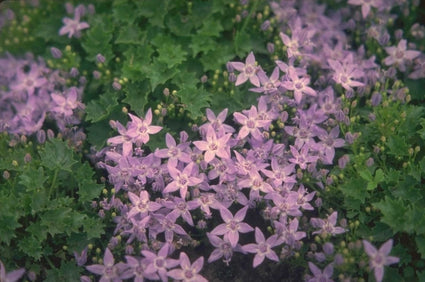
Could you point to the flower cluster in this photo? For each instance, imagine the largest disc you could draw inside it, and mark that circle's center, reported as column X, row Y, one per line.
column 35, row 93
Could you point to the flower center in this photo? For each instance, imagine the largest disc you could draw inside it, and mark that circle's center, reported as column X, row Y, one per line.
column 249, row 70
column 399, row 54
column 250, row 124
column 159, row 262
column 188, row 274
column 262, row 248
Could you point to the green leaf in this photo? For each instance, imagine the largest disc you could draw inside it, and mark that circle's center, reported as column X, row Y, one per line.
column 420, row 243
column 33, row 179
column 365, row 174
column 88, row 190
column 57, row 155
column 180, row 25
column 410, row 125
column 398, row 146
column 372, row 181
column 211, row 27
column 154, row 11
column 39, row 201
column 394, row 213
column 408, row 189
column 101, row 108
column 194, row 100
column 55, row 221
column 98, row 133
column 136, row 57
column 381, row 232
column 37, row 230
column 217, row 58
column 69, row 271
column 171, row 55
column 355, row 188
column 121, row 11
column 97, row 39
column 93, row 227
column 137, row 96
column 202, row 44
column 158, row 73
column 130, row 35
column 31, row 246
column 422, row 130
column 8, row 225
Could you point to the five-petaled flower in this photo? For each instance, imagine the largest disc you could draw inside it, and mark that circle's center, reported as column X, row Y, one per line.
column 399, row 55
column 262, row 248
column 73, row 26
column 215, row 145
column 327, row 226
column 232, row 225
column 247, row 71
column 140, row 128
column 188, row 272
column 182, row 179
column 109, row 270
column 379, row 258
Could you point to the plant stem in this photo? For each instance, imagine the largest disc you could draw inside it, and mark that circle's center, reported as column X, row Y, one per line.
column 55, row 176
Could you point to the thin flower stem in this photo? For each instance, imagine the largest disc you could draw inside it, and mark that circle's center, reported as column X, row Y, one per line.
column 55, row 176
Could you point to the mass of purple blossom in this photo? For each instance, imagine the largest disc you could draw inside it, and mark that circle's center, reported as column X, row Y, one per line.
column 235, row 167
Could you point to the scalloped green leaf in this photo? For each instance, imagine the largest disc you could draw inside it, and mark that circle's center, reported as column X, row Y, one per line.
column 97, row 39
column 194, row 100
column 158, row 73
column 137, row 96
column 57, row 155
column 101, row 108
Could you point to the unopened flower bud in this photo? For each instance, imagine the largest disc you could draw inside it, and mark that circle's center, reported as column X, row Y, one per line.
column 265, row 25
column 96, row 74
column 41, row 136
column 343, row 161
column 116, row 85
column 376, row 99
column 91, row 9
column 82, row 80
column 398, row 34
column 369, row 162
column 320, row 257
column 56, row 53
column 6, row 175
column 74, row 72
column 50, row 134
column 229, row 67
column 166, row 92
column 232, row 77
column 270, row 47
column 328, row 248
column 27, row 158
column 100, row 58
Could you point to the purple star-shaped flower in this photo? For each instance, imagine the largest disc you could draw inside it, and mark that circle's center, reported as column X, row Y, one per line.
column 232, row 225
column 379, row 258
column 247, row 71
column 73, row 26
column 262, row 248
column 189, row 271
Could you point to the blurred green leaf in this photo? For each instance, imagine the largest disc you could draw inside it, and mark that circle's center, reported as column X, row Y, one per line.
column 33, row 179
column 101, row 108
column 137, row 96
column 57, row 155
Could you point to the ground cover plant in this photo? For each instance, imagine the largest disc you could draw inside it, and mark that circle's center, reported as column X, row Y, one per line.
column 212, row 140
